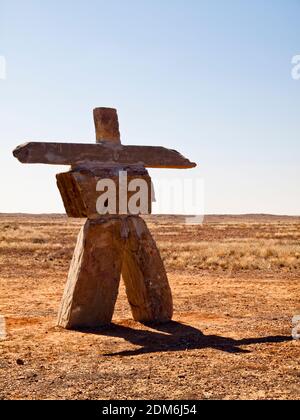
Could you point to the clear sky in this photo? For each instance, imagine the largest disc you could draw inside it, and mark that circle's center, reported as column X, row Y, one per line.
column 211, row 79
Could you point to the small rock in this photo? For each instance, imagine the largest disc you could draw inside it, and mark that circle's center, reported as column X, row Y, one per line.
column 20, row 362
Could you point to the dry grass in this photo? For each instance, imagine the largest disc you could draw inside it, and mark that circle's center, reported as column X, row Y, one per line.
column 230, row 247
column 232, row 255
column 233, row 246
column 235, row 283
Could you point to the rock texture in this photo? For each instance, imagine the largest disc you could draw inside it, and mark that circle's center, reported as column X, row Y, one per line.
column 107, row 125
column 71, row 195
column 145, row 277
column 93, row 281
column 105, row 248
column 78, row 189
column 106, row 153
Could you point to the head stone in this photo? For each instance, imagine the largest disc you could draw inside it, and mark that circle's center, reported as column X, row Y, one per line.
column 107, row 125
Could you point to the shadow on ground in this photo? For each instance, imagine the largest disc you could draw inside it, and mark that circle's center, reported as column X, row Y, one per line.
column 175, row 336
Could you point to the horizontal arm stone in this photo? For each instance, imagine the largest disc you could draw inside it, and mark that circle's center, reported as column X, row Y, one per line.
column 76, row 153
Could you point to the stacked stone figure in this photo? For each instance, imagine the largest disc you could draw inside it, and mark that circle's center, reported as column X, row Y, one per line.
column 114, row 240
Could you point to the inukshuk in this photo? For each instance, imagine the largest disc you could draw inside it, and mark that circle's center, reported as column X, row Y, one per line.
column 111, row 242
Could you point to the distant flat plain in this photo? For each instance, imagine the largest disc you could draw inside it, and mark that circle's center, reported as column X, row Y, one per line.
column 235, row 282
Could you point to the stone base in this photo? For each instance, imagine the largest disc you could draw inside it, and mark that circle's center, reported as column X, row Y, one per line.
column 105, row 248
column 78, row 189
column 145, row 277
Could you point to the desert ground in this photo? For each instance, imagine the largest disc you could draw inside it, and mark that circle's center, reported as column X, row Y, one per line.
column 235, row 282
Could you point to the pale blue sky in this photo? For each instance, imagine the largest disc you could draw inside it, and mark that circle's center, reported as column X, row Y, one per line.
column 211, row 79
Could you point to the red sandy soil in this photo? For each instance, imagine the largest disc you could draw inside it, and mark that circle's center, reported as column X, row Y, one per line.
column 230, row 338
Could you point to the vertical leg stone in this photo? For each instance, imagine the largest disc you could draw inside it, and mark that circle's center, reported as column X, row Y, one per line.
column 145, row 278
column 93, row 281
